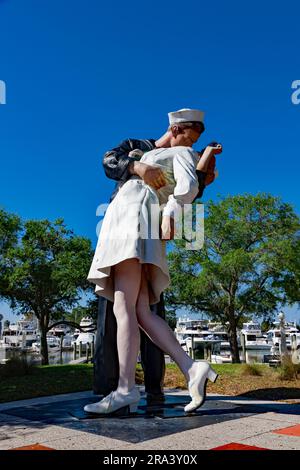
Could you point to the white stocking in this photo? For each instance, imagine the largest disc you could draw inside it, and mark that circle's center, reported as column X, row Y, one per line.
column 127, row 280
column 160, row 333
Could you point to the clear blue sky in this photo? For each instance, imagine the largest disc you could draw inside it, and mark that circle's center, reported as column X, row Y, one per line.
column 82, row 76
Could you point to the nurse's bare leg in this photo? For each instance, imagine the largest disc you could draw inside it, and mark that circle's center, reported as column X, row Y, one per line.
column 127, row 280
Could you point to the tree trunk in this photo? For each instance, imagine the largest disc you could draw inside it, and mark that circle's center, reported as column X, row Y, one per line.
column 234, row 347
column 44, row 346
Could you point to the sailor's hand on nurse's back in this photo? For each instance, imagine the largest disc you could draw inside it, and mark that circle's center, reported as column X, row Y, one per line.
column 151, row 175
column 167, row 228
column 136, row 153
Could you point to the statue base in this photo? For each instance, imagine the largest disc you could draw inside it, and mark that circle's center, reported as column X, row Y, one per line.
column 171, row 407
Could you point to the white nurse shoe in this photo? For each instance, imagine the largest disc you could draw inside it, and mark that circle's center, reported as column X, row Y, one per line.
column 197, row 386
column 114, row 401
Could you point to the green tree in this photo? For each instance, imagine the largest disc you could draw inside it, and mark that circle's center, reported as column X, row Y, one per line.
column 170, row 316
column 239, row 271
column 90, row 310
column 266, row 325
column 289, row 262
column 9, row 229
column 46, row 273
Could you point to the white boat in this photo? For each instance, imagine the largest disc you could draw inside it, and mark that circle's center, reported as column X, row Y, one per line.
column 6, row 346
column 221, row 358
column 253, row 337
column 20, row 335
column 86, row 323
column 204, row 347
column 68, row 340
column 291, row 330
column 60, row 330
column 201, row 330
column 187, row 327
column 84, row 339
column 274, row 335
column 195, row 336
column 220, row 331
column 53, row 343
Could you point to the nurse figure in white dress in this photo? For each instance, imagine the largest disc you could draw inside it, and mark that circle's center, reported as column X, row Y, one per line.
column 130, row 266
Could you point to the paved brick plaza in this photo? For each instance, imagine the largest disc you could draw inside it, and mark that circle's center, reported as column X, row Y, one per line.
column 222, row 423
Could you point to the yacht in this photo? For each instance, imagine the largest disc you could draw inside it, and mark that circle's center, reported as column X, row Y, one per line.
column 218, row 358
column 187, row 327
column 20, row 335
column 195, row 335
column 60, row 330
column 201, row 329
column 53, row 342
column 220, row 332
column 68, row 340
column 253, row 337
column 274, row 335
column 84, row 339
column 86, row 324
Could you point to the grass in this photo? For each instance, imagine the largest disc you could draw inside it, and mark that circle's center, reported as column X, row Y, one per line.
column 251, row 370
column 266, row 383
column 252, row 380
column 47, row 380
column 289, row 370
column 16, row 367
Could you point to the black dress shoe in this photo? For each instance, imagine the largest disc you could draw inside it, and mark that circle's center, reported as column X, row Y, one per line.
column 155, row 398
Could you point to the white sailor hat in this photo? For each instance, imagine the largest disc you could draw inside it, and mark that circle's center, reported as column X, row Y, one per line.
column 186, row 115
